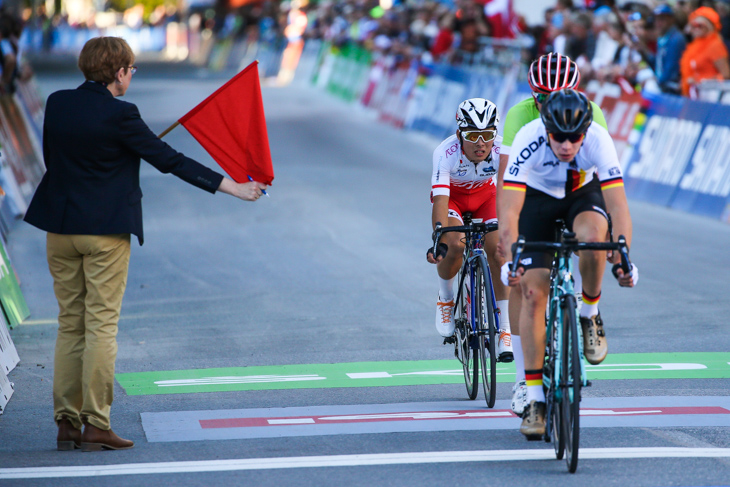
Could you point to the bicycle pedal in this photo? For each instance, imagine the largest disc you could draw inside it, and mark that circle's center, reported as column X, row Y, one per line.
column 589, row 383
column 450, row 340
column 534, row 437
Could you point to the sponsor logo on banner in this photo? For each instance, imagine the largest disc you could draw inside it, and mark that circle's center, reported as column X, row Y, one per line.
column 709, row 172
column 619, row 108
column 665, row 149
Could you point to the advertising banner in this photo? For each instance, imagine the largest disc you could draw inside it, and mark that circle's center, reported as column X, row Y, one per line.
column 682, row 158
column 620, row 109
column 12, row 300
column 6, row 390
column 8, row 354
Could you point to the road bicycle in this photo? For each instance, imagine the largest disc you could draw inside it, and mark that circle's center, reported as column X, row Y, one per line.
column 476, row 316
column 564, row 372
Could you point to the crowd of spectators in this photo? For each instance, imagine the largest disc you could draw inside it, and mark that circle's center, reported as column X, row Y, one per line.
column 643, row 45
column 11, row 66
column 667, row 46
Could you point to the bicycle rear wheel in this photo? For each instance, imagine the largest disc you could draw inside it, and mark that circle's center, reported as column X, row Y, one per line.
column 486, row 330
column 465, row 339
column 572, row 380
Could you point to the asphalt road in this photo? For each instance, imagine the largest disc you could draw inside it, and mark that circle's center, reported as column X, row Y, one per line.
column 331, row 270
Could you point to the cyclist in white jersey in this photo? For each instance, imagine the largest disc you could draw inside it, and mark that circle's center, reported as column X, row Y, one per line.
column 463, row 180
column 548, row 73
column 563, row 165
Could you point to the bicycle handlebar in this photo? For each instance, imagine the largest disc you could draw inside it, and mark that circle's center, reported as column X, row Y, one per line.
column 572, row 245
column 441, row 248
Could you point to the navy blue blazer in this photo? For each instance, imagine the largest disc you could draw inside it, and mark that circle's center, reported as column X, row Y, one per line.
column 92, row 146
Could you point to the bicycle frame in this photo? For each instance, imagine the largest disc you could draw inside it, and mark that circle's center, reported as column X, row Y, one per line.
column 561, row 285
column 475, row 312
column 563, row 348
column 472, row 251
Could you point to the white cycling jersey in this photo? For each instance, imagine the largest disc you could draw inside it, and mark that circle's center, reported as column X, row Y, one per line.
column 451, row 168
column 532, row 162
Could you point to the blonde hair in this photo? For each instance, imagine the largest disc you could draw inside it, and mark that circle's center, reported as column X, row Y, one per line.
column 101, row 58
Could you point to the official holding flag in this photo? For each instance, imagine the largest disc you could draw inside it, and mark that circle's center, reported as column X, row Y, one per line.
column 89, row 202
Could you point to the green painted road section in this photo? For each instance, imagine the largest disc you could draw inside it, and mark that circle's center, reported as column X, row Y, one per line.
column 715, row 365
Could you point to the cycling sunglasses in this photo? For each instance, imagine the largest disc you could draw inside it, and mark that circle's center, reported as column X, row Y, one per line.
column 540, row 97
column 560, row 137
column 474, row 136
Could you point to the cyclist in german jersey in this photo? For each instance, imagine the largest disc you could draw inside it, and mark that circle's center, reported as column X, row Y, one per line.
column 463, row 180
column 548, row 73
column 563, row 165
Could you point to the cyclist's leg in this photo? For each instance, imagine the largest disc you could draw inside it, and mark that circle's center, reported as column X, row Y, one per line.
column 536, row 224
column 534, row 288
column 591, row 226
column 447, row 270
column 486, row 210
column 590, row 223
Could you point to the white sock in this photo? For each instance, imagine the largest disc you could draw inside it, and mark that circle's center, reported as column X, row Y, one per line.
column 590, row 306
column 503, row 307
column 446, row 289
column 519, row 358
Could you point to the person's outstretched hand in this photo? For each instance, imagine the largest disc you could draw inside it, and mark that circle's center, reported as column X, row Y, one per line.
column 250, row 191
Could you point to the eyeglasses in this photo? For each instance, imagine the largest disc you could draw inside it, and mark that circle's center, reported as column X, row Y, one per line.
column 133, row 69
column 474, row 136
column 560, row 137
column 540, row 97
column 697, row 25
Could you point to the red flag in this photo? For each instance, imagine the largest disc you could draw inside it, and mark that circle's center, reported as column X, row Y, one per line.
column 231, row 126
column 500, row 16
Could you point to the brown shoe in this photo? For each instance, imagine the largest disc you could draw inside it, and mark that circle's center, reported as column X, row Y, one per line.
column 533, row 421
column 595, row 346
column 69, row 438
column 95, row 439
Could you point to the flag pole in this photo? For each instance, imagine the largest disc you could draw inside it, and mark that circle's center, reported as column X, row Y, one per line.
column 168, row 130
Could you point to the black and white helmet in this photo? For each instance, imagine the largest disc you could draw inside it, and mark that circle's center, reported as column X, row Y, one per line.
column 476, row 114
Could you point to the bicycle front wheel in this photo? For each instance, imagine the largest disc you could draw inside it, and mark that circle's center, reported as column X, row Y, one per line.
column 551, row 376
column 486, row 331
column 465, row 338
column 572, row 380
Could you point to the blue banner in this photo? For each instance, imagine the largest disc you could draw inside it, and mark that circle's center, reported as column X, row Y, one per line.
column 682, row 158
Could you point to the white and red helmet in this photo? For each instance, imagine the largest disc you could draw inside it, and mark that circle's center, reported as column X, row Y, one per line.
column 551, row 72
column 476, row 114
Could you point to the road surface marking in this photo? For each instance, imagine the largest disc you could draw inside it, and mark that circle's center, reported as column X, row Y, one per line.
column 408, row 458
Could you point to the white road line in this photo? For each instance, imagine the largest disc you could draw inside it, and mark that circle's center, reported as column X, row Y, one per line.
column 352, row 461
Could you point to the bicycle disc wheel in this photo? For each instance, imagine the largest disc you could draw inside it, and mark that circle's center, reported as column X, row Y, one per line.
column 464, row 341
column 487, row 329
column 572, row 380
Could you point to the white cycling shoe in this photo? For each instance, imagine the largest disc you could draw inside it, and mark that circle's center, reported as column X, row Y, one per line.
column 504, row 347
column 445, row 317
column 519, row 397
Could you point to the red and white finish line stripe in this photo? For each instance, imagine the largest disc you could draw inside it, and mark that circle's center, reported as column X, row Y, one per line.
column 635, row 412
column 352, row 461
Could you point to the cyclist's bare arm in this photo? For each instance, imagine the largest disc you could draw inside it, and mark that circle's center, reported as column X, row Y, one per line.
column 503, row 161
column 440, row 210
column 511, row 203
column 618, row 207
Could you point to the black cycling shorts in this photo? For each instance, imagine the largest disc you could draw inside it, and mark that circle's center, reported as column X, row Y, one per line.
column 537, row 219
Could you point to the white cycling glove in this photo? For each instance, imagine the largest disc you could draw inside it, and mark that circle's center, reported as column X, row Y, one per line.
column 504, row 276
column 634, row 273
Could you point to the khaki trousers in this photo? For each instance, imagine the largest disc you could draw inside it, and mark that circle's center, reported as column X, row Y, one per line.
column 89, row 278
